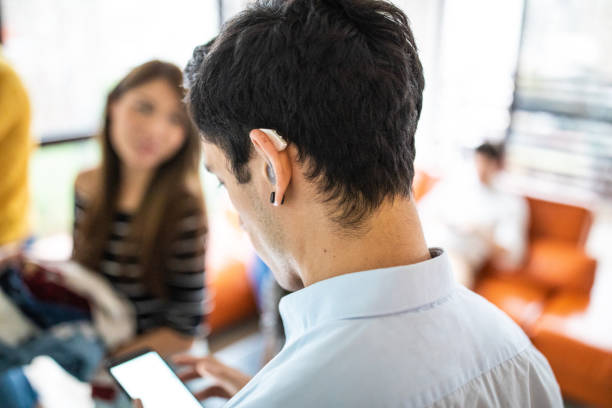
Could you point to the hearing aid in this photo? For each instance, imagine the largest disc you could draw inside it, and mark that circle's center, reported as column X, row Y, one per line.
column 271, row 174
column 280, row 144
column 277, row 140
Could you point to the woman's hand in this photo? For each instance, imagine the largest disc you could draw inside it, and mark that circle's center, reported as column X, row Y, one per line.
column 164, row 340
column 228, row 380
column 10, row 254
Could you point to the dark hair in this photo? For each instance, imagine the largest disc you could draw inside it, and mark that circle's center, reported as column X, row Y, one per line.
column 492, row 151
column 340, row 79
column 193, row 65
column 174, row 191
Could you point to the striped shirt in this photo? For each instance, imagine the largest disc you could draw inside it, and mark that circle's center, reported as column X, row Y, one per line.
column 182, row 308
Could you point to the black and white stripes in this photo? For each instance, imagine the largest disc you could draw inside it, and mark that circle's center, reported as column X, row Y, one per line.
column 182, row 309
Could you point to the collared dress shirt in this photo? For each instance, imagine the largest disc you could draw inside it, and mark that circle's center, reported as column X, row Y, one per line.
column 406, row 336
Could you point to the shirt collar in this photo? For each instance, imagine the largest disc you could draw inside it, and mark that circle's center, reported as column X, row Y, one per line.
column 370, row 293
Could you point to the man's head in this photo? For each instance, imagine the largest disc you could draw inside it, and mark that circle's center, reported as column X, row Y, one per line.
column 488, row 159
column 340, row 81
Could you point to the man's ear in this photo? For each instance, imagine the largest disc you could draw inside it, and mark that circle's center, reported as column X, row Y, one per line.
column 277, row 158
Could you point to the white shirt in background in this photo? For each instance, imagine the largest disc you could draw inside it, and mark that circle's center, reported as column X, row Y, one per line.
column 465, row 217
column 407, row 336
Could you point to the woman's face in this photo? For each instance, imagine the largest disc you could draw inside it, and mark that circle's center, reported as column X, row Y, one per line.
column 147, row 125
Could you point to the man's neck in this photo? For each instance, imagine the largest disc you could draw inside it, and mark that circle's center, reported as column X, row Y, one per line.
column 393, row 237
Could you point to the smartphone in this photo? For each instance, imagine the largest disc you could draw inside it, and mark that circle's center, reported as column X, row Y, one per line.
column 146, row 376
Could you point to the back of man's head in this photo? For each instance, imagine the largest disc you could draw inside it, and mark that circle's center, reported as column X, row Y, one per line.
column 339, row 79
column 491, row 151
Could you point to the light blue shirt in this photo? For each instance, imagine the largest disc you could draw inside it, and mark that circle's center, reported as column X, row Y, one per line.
column 407, row 336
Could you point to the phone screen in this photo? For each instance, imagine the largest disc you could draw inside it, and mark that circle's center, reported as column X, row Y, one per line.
column 149, row 378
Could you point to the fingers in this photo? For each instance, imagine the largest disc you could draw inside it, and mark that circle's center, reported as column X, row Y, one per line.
column 188, row 375
column 229, row 380
column 137, row 403
column 184, row 359
column 203, row 366
column 213, row 391
column 208, row 366
column 197, row 366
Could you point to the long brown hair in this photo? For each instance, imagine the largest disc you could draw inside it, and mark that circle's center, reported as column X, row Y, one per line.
column 174, row 191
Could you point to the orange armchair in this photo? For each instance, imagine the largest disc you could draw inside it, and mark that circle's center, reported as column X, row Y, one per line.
column 578, row 347
column 556, row 262
column 549, row 298
column 229, row 258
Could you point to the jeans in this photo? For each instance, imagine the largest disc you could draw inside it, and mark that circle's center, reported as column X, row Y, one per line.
column 43, row 314
column 67, row 337
column 15, row 390
column 74, row 346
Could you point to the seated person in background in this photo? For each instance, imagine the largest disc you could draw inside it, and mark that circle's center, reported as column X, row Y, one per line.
column 140, row 218
column 473, row 220
column 308, row 109
column 15, row 147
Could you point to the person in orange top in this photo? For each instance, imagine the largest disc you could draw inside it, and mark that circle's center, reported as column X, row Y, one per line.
column 15, row 148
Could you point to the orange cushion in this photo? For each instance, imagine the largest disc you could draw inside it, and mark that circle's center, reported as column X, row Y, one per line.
column 576, row 338
column 228, row 258
column 562, row 222
column 560, row 265
column 230, row 294
column 421, row 184
column 521, row 301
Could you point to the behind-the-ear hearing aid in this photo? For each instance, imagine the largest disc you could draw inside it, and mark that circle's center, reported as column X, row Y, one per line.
column 272, row 178
column 271, row 174
column 277, row 140
column 280, row 144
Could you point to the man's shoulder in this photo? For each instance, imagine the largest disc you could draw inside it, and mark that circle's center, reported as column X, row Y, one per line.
column 418, row 356
column 489, row 324
column 461, row 324
column 507, row 384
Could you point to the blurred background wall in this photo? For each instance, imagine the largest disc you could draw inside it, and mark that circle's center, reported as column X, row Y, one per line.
column 537, row 74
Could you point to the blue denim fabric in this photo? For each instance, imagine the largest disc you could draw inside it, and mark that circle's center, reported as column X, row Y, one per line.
column 73, row 346
column 43, row 314
column 15, row 390
column 260, row 274
column 68, row 338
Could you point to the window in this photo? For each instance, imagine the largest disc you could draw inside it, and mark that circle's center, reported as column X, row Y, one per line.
column 70, row 54
column 561, row 135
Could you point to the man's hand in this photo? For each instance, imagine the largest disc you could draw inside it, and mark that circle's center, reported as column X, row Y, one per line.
column 228, row 381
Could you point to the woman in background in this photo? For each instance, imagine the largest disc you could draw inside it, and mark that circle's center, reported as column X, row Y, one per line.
column 140, row 218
